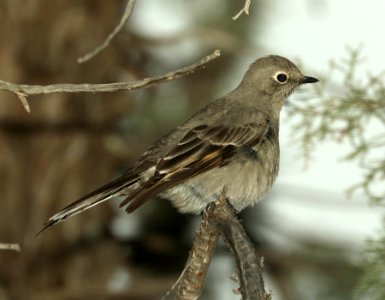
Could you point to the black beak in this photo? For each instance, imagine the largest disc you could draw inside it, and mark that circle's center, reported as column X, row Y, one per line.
column 308, row 79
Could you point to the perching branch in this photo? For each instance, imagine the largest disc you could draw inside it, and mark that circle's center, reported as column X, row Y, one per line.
column 249, row 266
column 220, row 218
column 245, row 9
column 110, row 37
column 12, row 247
column 22, row 91
column 190, row 283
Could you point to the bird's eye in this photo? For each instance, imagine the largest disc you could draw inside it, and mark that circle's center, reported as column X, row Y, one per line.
column 281, row 77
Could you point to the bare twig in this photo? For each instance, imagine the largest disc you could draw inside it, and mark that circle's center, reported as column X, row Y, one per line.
column 245, row 9
column 22, row 91
column 249, row 266
column 107, row 41
column 12, row 247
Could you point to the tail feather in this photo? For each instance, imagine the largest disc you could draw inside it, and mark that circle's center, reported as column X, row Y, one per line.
column 96, row 197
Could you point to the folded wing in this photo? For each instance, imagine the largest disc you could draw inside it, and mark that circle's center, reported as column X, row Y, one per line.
column 201, row 149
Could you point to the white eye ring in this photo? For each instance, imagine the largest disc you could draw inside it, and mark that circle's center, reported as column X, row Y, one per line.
column 281, row 77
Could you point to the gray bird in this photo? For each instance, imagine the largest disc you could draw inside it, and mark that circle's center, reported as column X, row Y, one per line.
column 232, row 142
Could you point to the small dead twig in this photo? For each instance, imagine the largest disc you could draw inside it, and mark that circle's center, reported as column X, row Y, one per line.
column 110, row 37
column 245, row 10
column 22, row 91
column 23, row 99
column 12, row 247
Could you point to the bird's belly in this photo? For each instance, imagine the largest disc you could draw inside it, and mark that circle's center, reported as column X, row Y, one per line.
column 246, row 182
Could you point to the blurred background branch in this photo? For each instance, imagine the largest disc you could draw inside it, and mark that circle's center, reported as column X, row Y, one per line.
column 347, row 114
column 110, row 37
column 245, row 10
column 22, row 91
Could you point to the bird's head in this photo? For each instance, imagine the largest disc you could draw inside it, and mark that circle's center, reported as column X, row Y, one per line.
column 274, row 78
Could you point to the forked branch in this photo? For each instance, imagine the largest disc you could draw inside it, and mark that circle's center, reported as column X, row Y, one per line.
column 220, row 218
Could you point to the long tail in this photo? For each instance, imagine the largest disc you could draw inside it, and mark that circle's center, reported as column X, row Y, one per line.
column 96, row 197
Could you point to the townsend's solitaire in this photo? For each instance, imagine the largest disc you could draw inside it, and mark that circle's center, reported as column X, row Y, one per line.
column 232, row 143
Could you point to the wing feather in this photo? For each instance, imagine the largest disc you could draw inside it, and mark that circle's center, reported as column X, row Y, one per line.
column 96, row 197
column 201, row 149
